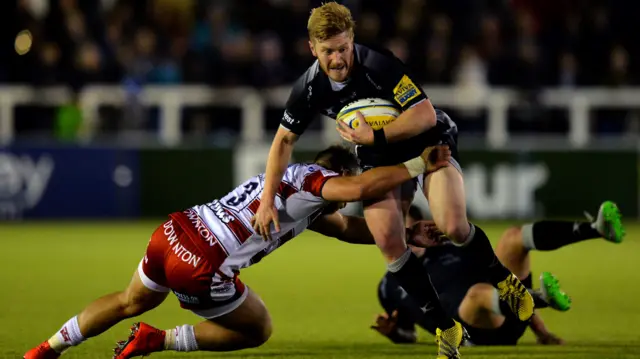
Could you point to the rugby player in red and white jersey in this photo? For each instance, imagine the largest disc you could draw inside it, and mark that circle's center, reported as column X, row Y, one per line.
column 197, row 254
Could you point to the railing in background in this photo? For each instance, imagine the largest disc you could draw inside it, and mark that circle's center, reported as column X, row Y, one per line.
column 253, row 102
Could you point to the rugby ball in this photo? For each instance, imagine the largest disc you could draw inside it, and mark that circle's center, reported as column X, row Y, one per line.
column 376, row 111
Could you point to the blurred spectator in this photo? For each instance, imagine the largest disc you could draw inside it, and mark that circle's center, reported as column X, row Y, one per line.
column 618, row 74
column 517, row 43
column 269, row 70
column 568, row 70
column 522, row 42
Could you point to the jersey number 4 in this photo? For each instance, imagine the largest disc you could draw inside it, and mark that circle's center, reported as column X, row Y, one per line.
column 237, row 200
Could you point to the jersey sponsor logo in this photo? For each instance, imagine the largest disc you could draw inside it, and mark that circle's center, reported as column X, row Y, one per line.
column 178, row 249
column 202, row 229
column 221, row 291
column 288, row 119
column 187, row 298
column 220, row 212
column 405, row 91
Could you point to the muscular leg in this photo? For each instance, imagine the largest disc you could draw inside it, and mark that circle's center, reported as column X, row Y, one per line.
column 385, row 219
column 480, row 308
column 248, row 326
column 105, row 312
column 513, row 254
column 444, row 190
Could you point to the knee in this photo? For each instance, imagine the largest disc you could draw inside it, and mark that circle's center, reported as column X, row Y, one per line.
column 456, row 229
column 477, row 309
column 259, row 334
column 480, row 294
column 133, row 305
column 511, row 240
column 391, row 247
column 511, row 235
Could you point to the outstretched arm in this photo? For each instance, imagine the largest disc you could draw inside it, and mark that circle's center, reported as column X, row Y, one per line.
column 351, row 229
column 378, row 181
column 348, row 229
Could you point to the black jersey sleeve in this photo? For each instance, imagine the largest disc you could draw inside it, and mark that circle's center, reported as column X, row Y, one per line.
column 405, row 91
column 396, row 78
column 300, row 109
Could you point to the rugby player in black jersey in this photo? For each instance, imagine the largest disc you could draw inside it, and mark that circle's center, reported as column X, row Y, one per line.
column 345, row 72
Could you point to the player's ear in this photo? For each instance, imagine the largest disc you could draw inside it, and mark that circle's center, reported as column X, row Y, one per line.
column 313, row 49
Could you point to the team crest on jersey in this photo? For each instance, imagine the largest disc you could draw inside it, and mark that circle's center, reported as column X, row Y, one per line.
column 405, row 91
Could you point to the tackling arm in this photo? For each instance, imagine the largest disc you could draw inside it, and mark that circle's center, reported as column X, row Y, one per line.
column 348, row 229
column 378, row 181
column 370, row 184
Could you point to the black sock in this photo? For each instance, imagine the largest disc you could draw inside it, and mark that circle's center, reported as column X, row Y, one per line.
column 528, row 282
column 550, row 235
column 538, row 299
column 415, row 280
column 484, row 255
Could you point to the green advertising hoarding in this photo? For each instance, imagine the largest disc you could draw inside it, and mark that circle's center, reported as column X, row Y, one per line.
column 499, row 184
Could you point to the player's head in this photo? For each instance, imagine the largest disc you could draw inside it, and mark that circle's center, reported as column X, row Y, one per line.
column 341, row 160
column 338, row 159
column 331, row 29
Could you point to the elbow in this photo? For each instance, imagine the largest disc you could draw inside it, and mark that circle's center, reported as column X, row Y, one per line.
column 290, row 139
column 429, row 118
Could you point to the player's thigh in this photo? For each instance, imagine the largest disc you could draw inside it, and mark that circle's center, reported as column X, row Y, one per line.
column 476, row 308
column 139, row 298
column 444, row 189
column 385, row 220
column 251, row 318
column 512, row 253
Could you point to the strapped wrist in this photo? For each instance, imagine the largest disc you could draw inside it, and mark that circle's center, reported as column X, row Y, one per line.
column 415, row 166
column 379, row 138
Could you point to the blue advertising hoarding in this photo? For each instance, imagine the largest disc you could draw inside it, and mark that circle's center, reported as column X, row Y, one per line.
column 68, row 182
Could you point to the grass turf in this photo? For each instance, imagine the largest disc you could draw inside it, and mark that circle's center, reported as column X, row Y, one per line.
column 321, row 294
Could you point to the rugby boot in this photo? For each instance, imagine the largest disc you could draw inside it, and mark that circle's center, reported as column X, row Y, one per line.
column 42, row 351
column 450, row 340
column 143, row 340
column 517, row 297
column 554, row 296
column 608, row 222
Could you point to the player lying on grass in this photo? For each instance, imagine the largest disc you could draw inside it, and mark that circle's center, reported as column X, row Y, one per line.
column 198, row 253
column 466, row 294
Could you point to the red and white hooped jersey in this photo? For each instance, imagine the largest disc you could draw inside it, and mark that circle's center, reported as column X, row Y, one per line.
column 298, row 202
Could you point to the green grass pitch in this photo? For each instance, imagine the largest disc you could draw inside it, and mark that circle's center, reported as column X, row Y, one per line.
column 321, row 294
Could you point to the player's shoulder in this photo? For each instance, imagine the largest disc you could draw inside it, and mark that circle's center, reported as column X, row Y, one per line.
column 375, row 58
column 302, row 83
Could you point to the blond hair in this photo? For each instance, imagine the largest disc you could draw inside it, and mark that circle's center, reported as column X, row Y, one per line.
column 329, row 20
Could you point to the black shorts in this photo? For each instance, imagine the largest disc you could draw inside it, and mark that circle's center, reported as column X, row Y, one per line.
column 445, row 132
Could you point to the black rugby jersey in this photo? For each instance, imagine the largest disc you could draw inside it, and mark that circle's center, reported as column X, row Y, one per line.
column 374, row 73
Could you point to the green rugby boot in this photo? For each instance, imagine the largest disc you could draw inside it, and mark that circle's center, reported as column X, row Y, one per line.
column 608, row 222
column 554, row 296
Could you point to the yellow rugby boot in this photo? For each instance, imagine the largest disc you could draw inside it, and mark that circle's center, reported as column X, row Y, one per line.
column 450, row 340
column 516, row 295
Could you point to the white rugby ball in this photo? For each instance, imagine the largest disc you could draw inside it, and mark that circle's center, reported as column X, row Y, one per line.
column 376, row 111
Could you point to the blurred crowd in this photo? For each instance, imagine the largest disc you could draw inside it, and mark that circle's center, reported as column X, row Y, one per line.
column 526, row 43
